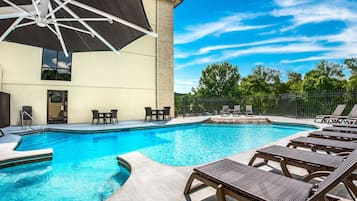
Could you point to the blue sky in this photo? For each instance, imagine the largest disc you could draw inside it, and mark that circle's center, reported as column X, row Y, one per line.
column 290, row 35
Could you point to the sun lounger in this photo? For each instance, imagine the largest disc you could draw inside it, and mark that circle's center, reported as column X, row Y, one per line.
column 328, row 146
column 345, row 125
column 248, row 110
column 243, row 182
column 327, row 118
column 334, row 135
column 347, row 119
column 311, row 161
column 340, row 129
column 225, row 110
column 236, row 110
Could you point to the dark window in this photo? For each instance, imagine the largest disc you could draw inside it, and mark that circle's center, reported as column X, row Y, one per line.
column 55, row 65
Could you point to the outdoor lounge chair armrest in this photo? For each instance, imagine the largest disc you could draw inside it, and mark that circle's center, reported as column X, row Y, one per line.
column 316, row 174
column 345, row 153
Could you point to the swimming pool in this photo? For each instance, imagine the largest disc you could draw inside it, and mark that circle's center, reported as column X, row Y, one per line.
column 84, row 166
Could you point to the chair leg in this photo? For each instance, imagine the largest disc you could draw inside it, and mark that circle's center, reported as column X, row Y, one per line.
column 220, row 193
column 283, row 165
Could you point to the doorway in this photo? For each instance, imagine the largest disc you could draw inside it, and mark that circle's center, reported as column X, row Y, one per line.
column 57, row 107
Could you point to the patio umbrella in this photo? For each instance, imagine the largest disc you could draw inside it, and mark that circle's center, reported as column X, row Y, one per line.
column 73, row 25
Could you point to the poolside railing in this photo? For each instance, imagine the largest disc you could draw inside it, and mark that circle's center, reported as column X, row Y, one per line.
column 298, row 105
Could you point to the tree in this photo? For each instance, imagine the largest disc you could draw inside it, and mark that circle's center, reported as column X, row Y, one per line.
column 351, row 64
column 294, row 83
column 326, row 76
column 218, row 80
column 262, row 81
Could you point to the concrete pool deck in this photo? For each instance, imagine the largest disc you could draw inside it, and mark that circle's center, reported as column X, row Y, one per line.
column 150, row 180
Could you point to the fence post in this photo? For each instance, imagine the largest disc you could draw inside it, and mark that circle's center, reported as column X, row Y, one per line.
column 183, row 107
column 296, row 105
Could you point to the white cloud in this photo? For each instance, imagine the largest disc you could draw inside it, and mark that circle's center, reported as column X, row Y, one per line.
column 258, row 63
column 289, row 3
column 224, row 25
column 314, row 14
column 273, row 49
column 184, row 86
column 62, row 64
column 263, row 42
column 345, row 50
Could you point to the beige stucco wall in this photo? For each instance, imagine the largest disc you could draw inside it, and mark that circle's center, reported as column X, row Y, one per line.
column 100, row 80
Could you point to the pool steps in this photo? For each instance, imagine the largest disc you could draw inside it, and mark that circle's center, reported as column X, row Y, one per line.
column 10, row 157
column 15, row 158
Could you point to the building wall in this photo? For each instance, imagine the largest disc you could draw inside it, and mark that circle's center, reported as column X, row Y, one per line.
column 100, row 80
column 165, row 59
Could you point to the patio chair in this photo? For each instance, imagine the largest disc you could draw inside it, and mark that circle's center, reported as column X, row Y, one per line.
column 114, row 116
column 148, row 113
column 248, row 110
column 311, row 161
column 225, row 110
column 334, row 135
column 96, row 116
column 345, row 125
column 327, row 118
column 244, row 182
column 350, row 118
column 166, row 113
column 341, row 129
column 326, row 145
column 236, row 110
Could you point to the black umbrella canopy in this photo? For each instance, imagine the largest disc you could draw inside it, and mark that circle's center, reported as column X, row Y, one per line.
column 73, row 25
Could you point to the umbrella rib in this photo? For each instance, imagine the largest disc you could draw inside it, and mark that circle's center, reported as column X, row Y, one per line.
column 36, row 8
column 58, row 31
column 11, row 28
column 88, row 27
column 83, row 19
column 115, row 18
column 25, row 24
column 57, row 8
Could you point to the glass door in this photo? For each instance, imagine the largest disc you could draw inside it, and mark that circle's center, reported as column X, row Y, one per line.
column 57, row 107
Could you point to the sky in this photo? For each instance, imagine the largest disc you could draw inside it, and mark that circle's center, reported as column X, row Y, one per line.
column 289, row 35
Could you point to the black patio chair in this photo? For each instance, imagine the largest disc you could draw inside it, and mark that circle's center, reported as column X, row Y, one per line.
column 114, row 116
column 96, row 116
column 148, row 113
column 166, row 113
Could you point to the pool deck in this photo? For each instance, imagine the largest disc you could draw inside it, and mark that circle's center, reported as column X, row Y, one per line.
column 150, row 180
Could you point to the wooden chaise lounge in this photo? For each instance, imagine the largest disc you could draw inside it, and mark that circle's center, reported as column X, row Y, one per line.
column 326, row 145
column 333, row 135
column 341, row 129
column 327, row 118
column 311, row 161
column 244, row 182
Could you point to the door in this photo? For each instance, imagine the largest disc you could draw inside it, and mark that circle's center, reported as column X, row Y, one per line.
column 57, row 107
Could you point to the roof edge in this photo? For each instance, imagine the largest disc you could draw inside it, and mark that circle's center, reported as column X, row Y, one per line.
column 177, row 2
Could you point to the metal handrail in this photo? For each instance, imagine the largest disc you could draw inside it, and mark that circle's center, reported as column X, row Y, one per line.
column 22, row 118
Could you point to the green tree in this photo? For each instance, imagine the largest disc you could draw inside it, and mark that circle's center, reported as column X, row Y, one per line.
column 351, row 65
column 218, row 80
column 326, row 76
column 262, row 81
column 294, row 83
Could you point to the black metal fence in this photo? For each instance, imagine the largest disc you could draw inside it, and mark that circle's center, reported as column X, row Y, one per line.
column 305, row 105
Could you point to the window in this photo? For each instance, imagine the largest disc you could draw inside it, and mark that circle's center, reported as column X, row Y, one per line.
column 55, row 65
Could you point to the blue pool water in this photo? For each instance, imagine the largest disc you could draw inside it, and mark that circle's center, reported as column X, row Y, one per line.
column 84, row 166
